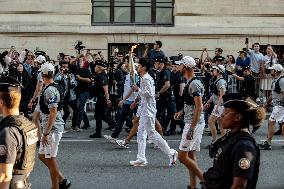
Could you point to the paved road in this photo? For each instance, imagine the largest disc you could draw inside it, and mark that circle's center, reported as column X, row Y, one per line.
column 97, row 164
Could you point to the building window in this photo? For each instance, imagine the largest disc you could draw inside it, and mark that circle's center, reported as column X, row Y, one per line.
column 133, row 12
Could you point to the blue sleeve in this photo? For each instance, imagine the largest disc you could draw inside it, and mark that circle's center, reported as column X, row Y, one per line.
column 167, row 76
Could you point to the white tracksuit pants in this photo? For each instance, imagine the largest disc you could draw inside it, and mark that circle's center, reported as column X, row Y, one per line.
column 147, row 127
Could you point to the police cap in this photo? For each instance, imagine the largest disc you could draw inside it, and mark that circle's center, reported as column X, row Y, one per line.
column 239, row 102
column 218, row 58
column 246, row 68
column 100, row 63
column 8, row 84
column 159, row 59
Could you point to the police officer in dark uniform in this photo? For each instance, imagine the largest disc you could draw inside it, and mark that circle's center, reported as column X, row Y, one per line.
column 164, row 94
column 177, row 84
column 100, row 90
column 236, row 155
column 248, row 82
column 18, row 137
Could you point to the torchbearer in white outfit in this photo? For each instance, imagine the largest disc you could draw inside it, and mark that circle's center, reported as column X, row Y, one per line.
column 194, row 121
column 147, row 117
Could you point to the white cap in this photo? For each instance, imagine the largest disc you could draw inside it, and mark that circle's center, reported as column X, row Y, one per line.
column 276, row 67
column 41, row 59
column 188, row 61
column 221, row 68
column 46, row 68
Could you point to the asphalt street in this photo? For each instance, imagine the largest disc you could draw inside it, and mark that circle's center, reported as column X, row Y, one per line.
column 97, row 164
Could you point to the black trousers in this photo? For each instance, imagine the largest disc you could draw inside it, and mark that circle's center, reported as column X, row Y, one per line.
column 101, row 115
column 167, row 106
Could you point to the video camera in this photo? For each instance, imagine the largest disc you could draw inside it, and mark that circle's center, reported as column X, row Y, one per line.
column 79, row 46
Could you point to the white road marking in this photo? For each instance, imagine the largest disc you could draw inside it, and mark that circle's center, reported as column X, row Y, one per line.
column 76, row 140
column 273, row 140
column 171, row 140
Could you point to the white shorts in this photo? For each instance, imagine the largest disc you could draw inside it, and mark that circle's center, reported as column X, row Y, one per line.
column 220, row 111
column 54, row 143
column 277, row 114
column 194, row 144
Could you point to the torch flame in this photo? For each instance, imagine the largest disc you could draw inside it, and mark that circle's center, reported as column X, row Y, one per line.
column 133, row 47
column 131, row 64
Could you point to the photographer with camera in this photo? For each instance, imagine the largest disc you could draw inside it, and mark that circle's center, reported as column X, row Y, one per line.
column 63, row 81
column 152, row 54
column 29, row 63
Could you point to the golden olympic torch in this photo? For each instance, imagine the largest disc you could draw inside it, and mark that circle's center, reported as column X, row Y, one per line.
column 131, row 64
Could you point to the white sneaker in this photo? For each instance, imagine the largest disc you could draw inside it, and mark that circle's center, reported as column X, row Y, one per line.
column 110, row 139
column 138, row 163
column 173, row 159
column 122, row 144
column 149, row 141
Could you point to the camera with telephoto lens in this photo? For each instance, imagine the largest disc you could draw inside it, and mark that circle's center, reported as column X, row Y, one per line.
column 79, row 45
column 64, row 71
column 207, row 65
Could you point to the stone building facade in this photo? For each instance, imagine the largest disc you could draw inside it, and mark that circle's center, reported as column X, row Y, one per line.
column 54, row 26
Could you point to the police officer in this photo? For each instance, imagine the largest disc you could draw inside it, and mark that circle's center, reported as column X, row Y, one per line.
column 100, row 90
column 277, row 100
column 236, row 155
column 164, row 94
column 18, row 137
column 194, row 119
column 51, row 104
column 177, row 83
column 248, row 82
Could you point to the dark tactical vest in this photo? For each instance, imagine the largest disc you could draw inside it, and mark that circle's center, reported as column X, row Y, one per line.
column 44, row 108
column 189, row 100
column 221, row 177
column 26, row 156
column 213, row 87
column 277, row 88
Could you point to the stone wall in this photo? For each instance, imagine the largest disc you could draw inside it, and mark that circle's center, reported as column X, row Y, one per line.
column 55, row 25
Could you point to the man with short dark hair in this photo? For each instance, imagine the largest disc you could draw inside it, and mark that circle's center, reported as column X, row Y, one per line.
column 83, row 86
column 155, row 52
column 147, row 115
column 257, row 60
column 18, row 137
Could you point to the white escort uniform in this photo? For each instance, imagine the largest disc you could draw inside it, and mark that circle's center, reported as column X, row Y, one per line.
column 52, row 97
column 277, row 101
column 220, row 84
column 193, row 88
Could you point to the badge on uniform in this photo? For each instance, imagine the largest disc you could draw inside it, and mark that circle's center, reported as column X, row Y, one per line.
column 244, row 163
column 32, row 137
column 3, row 150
